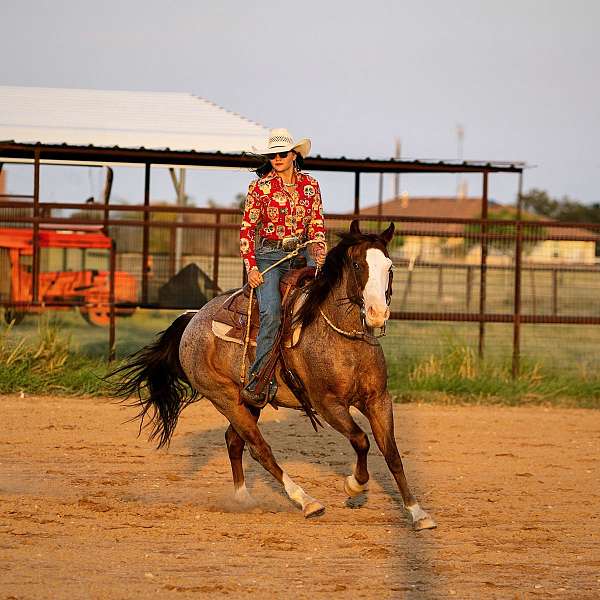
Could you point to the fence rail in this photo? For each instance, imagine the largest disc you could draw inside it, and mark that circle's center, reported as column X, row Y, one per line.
column 472, row 270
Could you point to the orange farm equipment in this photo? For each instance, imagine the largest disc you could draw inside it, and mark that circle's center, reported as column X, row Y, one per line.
column 86, row 289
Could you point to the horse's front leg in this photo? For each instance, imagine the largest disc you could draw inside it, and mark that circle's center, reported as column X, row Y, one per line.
column 381, row 417
column 339, row 417
column 244, row 423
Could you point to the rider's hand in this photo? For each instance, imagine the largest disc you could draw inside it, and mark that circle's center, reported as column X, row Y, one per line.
column 319, row 253
column 255, row 278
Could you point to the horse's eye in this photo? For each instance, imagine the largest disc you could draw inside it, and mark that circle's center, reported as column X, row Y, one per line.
column 356, row 265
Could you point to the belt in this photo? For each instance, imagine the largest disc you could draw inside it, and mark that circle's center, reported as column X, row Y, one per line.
column 289, row 244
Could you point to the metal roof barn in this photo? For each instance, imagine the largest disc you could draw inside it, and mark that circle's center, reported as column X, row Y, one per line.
column 107, row 118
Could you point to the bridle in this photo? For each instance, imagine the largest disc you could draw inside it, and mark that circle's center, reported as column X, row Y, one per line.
column 359, row 301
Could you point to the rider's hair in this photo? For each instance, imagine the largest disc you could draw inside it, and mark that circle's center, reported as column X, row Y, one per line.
column 266, row 167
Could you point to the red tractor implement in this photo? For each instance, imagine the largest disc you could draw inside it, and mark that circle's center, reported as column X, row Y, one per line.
column 86, row 289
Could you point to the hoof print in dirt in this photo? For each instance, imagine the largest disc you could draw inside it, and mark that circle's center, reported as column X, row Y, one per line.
column 357, row 501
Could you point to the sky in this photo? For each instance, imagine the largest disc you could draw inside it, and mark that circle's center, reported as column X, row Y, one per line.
column 520, row 76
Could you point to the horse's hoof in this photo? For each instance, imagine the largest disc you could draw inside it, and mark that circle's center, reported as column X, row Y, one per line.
column 424, row 523
column 313, row 509
column 353, row 488
column 242, row 496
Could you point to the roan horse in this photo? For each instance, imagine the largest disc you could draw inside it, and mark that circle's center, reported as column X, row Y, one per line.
column 339, row 360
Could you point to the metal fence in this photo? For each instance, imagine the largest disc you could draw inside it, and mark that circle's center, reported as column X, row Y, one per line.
column 478, row 271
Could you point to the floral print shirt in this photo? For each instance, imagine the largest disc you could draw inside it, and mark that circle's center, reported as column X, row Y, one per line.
column 281, row 211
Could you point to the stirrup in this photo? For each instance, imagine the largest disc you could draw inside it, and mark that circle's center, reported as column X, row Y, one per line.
column 271, row 390
column 253, row 399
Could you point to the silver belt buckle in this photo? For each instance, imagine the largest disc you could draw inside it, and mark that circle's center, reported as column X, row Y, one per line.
column 289, row 244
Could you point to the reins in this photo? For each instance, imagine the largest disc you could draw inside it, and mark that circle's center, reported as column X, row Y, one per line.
column 355, row 335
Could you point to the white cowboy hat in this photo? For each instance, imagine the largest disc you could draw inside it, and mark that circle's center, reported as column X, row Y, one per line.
column 281, row 140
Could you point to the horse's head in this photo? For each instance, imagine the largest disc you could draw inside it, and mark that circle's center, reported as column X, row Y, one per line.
column 361, row 263
column 371, row 269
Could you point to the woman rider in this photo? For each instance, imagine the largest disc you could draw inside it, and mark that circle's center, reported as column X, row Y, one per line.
column 285, row 205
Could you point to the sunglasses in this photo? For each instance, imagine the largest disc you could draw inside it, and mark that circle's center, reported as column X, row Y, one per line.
column 276, row 154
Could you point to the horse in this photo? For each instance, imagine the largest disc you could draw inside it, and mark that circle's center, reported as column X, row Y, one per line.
column 338, row 358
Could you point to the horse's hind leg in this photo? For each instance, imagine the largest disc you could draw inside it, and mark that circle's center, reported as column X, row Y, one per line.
column 235, row 449
column 381, row 417
column 244, row 423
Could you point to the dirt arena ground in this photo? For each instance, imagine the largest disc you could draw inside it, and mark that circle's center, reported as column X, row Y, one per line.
column 87, row 510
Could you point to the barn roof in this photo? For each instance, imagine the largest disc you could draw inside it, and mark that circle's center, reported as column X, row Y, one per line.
column 108, row 118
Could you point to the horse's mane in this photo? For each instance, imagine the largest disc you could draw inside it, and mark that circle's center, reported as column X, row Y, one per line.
column 330, row 274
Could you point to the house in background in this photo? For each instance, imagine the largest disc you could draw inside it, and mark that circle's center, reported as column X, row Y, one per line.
column 454, row 242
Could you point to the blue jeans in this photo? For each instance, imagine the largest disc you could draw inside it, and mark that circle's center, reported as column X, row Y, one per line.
column 269, row 300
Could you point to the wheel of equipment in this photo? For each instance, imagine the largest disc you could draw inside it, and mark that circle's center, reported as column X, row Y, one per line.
column 99, row 316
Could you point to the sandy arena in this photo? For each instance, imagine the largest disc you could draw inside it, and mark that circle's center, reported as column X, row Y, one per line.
column 90, row 511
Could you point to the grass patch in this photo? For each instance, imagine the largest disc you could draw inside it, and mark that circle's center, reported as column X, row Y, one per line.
column 57, row 353
column 45, row 363
column 455, row 374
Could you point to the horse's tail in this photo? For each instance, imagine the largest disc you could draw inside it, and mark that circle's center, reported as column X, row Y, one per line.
column 154, row 374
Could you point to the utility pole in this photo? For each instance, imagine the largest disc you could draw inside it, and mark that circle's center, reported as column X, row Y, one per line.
column 397, row 175
column 179, row 186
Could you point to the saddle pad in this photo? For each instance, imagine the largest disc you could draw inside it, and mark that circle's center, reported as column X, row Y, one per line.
column 221, row 330
column 233, row 314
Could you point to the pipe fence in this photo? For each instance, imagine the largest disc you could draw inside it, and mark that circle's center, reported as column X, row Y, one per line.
column 477, row 271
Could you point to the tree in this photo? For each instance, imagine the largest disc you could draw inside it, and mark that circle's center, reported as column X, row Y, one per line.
column 565, row 209
column 505, row 244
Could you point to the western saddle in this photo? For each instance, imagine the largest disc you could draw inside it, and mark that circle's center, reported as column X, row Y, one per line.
column 230, row 323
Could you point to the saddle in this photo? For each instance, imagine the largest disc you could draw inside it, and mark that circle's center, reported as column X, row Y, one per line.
column 229, row 323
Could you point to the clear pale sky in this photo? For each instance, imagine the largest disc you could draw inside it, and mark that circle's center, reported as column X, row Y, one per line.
column 521, row 76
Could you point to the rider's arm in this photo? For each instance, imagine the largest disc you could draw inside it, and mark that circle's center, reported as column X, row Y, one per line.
column 248, row 229
column 316, row 227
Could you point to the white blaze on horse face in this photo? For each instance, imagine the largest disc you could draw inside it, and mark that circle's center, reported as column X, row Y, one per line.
column 377, row 311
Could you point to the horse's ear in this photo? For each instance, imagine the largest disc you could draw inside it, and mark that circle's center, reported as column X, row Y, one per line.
column 355, row 227
column 388, row 234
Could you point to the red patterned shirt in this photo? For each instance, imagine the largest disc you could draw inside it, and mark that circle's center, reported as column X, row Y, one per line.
column 281, row 211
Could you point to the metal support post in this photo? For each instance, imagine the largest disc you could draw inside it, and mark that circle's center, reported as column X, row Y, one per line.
column 111, row 301
column 179, row 218
column 106, row 199
column 520, row 197
column 483, row 267
column 35, row 267
column 146, row 237
column 216, row 252
column 357, row 192
column 516, row 358
column 380, row 198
